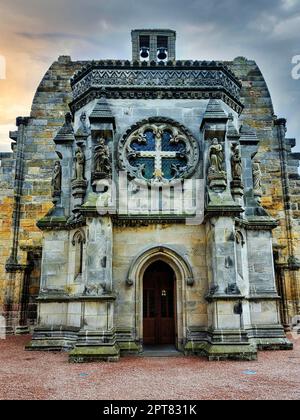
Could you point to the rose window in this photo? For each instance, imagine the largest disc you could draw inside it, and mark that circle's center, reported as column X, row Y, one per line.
column 159, row 153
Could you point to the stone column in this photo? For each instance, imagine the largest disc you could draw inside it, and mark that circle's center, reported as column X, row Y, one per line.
column 291, row 277
column 153, row 47
column 15, row 264
column 97, row 337
column 266, row 329
column 227, row 337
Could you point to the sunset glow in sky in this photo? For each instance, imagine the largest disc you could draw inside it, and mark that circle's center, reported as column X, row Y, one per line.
column 33, row 33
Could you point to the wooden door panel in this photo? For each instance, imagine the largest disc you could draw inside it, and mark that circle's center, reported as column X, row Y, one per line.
column 167, row 335
column 158, row 305
column 150, row 331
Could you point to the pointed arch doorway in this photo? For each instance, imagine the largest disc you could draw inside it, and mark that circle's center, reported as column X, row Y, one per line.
column 159, row 304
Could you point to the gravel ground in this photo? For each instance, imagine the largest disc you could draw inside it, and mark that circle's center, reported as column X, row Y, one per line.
column 38, row 375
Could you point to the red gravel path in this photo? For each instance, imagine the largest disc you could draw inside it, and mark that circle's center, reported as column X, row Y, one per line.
column 38, row 375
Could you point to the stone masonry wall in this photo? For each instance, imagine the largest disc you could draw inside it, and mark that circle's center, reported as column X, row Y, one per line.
column 7, row 164
column 259, row 114
column 47, row 116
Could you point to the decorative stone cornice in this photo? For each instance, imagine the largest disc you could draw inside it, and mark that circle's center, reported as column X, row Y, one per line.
column 134, row 65
column 225, row 210
column 163, row 93
column 60, row 223
column 200, row 80
column 257, row 223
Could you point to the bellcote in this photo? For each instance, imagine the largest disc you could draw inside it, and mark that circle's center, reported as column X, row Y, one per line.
column 153, row 45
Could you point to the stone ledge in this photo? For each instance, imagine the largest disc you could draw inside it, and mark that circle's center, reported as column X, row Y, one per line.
column 13, row 268
column 52, row 223
column 129, row 347
column 263, row 297
column 81, row 298
column 211, row 298
column 223, row 209
column 220, row 351
column 288, row 266
column 258, row 223
column 109, row 353
column 50, row 345
column 273, row 344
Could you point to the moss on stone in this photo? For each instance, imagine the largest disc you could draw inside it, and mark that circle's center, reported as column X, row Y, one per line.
column 99, row 353
column 129, row 347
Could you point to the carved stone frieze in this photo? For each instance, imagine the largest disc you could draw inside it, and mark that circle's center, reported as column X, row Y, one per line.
column 176, row 78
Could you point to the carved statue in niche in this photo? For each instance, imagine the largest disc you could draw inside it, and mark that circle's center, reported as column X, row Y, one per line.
column 236, row 162
column 257, row 176
column 83, row 119
column 102, row 164
column 56, row 179
column 79, row 164
column 92, row 290
column 68, row 118
column 216, row 157
column 217, row 177
column 83, row 130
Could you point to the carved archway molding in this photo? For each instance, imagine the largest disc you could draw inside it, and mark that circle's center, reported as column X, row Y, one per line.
column 79, row 237
column 179, row 264
column 183, row 278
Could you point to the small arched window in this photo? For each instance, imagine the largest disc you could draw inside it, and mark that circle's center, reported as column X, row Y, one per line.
column 240, row 242
column 78, row 242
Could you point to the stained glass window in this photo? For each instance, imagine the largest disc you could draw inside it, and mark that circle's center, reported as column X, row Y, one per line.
column 157, row 155
column 158, row 152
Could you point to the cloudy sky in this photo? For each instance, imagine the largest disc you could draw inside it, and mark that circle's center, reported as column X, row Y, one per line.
column 33, row 33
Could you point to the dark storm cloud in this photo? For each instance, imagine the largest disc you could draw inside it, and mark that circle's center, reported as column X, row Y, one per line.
column 55, row 36
column 264, row 30
column 48, row 36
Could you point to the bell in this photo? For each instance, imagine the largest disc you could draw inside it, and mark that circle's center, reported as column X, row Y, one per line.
column 144, row 52
column 162, row 54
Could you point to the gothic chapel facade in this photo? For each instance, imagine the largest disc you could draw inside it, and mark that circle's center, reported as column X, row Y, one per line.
column 151, row 202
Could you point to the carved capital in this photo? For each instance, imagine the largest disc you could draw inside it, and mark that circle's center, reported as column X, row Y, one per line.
column 280, row 122
column 22, row 121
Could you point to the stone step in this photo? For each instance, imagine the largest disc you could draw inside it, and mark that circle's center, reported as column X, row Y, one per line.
column 160, row 351
column 20, row 330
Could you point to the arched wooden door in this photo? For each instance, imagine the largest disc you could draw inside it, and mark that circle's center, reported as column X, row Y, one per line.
column 159, row 315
